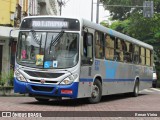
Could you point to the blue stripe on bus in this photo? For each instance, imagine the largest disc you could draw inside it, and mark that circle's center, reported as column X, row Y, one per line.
column 114, row 80
column 146, row 80
column 118, row 80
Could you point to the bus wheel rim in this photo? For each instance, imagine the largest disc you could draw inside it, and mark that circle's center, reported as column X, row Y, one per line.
column 95, row 91
column 136, row 89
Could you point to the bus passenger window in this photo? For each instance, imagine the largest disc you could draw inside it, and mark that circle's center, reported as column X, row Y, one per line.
column 124, row 46
column 99, row 45
column 109, row 47
column 128, row 52
column 142, row 56
column 148, row 57
column 124, row 49
column 119, row 51
column 136, row 54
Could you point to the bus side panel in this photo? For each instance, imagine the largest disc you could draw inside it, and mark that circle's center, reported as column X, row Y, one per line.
column 145, row 79
column 85, row 82
column 119, row 77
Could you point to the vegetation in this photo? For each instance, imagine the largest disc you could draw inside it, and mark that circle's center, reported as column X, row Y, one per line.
column 6, row 82
column 6, row 79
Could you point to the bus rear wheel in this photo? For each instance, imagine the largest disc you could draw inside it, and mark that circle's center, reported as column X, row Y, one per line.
column 96, row 92
column 136, row 89
column 42, row 99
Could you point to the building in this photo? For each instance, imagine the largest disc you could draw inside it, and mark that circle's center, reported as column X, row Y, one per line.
column 7, row 8
column 48, row 7
column 12, row 12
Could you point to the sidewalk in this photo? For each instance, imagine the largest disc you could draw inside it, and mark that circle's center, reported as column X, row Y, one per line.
column 11, row 94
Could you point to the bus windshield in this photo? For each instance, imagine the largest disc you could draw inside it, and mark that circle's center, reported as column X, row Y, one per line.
column 47, row 49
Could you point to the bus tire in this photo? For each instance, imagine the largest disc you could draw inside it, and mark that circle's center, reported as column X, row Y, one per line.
column 96, row 93
column 136, row 89
column 42, row 99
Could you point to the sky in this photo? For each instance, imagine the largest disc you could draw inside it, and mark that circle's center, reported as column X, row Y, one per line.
column 82, row 9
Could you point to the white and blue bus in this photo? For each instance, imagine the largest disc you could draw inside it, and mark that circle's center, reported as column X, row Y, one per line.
column 61, row 57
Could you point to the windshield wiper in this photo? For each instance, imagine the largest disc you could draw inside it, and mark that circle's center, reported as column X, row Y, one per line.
column 38, row 41
column 40, row 44
column 53, row 41
column 34, row 37
column 31, row 62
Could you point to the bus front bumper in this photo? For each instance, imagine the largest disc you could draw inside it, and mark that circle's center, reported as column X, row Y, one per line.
column 46, row 89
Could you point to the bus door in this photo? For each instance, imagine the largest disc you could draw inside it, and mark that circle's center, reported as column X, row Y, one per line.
column 86, row 77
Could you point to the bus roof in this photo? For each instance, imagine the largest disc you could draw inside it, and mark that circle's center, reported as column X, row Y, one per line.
column 115, row 33
column 101, row 28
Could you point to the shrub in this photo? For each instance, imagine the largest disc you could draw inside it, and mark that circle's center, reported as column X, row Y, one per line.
column 6, row 79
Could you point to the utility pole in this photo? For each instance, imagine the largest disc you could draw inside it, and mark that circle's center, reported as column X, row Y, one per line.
column 92, row 11
column 28, row 7
column 97, row 12
column 60, row 3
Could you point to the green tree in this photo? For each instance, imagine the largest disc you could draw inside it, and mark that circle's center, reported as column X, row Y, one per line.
column 121, row 26
column 105, row 23
column 121, row 9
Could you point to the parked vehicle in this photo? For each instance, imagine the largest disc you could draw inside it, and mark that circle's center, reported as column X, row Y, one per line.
column 154, row 82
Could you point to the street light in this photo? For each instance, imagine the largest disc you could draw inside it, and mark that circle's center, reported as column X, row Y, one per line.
column 61, row 3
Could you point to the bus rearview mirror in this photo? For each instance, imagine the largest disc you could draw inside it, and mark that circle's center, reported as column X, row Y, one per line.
column 89, row 40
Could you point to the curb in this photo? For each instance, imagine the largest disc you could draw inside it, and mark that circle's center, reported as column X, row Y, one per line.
column 11, row 94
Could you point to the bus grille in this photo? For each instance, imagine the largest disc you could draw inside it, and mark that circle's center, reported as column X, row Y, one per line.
column 39, row 88
column 43, row 74
column 39, row 81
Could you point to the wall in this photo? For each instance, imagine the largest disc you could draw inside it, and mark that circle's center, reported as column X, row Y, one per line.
column 7, row 9
column 4, row 41
column 5, row 58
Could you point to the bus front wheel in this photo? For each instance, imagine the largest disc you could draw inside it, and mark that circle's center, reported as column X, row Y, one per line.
column 96, row 93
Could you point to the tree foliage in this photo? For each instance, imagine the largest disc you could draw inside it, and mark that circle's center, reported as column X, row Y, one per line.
column 122, row 9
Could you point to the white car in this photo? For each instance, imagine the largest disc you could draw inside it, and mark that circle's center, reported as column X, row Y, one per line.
column 154, row 82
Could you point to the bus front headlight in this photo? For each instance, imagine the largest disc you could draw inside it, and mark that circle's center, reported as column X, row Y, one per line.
column 19, row 76
column 69, row 79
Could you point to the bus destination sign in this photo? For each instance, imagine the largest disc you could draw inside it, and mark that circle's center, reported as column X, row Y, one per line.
column 50, row 24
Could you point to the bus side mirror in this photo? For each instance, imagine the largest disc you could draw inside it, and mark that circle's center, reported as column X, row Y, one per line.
column 89, row 40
